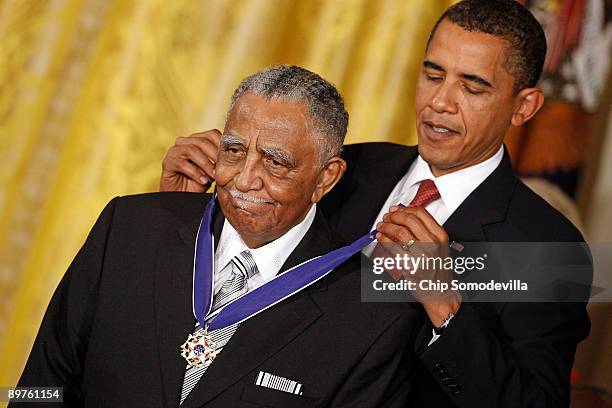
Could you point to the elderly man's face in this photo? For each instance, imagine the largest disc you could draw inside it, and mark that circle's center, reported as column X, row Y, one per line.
column 268, row 171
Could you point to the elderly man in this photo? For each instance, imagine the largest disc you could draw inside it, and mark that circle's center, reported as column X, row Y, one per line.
column 478, row 78
column 165, row 306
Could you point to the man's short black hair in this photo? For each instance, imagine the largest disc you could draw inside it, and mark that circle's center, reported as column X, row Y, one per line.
column 508, row 20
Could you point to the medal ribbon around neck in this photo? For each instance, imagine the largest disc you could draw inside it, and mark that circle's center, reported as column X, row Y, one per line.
column 261, row 298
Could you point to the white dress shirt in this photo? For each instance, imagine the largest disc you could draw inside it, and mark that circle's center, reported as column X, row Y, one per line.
column 269, row 258
column 454, row 187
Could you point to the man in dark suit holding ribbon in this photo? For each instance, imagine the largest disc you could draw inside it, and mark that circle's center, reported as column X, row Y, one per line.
column 244, row 298
column 478, row 78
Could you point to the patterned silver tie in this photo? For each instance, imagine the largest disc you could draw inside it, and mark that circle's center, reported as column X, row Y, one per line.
column 243, row 267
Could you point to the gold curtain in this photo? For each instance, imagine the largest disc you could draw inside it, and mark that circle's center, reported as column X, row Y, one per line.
column 93, row 92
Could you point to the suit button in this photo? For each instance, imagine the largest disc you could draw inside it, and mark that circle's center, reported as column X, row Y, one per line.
column 449, row 381
column 455, row 389
column 438, row 368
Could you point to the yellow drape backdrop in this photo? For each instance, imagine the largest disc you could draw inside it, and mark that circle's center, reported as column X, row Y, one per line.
column 93, row 92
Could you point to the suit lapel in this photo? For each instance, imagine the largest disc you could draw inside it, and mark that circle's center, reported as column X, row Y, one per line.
column 262, row 336
column 173, row 314
column 486, row 205
column 318, row 240
column 173, row 304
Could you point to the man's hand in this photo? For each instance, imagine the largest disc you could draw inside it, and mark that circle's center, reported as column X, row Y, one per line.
column 414, row 224
column 189, row 165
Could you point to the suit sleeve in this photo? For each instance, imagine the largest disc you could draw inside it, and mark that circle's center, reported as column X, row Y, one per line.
column 58, row 353
column 383, row 377
column 524, row 360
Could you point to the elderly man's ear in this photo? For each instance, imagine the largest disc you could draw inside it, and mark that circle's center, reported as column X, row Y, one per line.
column 329, row 175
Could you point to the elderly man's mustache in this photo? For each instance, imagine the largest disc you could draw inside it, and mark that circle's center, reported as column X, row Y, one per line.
column 247, row 197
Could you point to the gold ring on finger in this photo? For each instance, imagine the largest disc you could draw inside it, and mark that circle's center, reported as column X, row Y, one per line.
column 406, row 246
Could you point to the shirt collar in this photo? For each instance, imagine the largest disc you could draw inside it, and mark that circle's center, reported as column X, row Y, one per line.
column 270, row 257
column 455, row 187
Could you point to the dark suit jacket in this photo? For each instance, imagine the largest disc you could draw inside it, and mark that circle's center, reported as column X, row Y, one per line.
column 500, row 354
column 112, row 332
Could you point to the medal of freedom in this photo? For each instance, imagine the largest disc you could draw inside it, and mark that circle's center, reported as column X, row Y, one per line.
column 200, row 349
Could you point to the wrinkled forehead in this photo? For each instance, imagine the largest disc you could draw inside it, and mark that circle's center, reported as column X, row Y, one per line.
column 274, row 112
column 274, row 116
column 270, row 122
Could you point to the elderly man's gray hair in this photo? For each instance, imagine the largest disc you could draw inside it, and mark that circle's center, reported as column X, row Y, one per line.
column 329, row 118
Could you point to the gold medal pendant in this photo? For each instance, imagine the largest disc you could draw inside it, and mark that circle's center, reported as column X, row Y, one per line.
column 200, row 349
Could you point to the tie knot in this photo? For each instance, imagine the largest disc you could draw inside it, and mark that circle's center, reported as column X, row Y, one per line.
column 426, row 193
column 245, row 264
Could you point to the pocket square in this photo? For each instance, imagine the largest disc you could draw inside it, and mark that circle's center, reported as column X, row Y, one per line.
column 278, row 383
